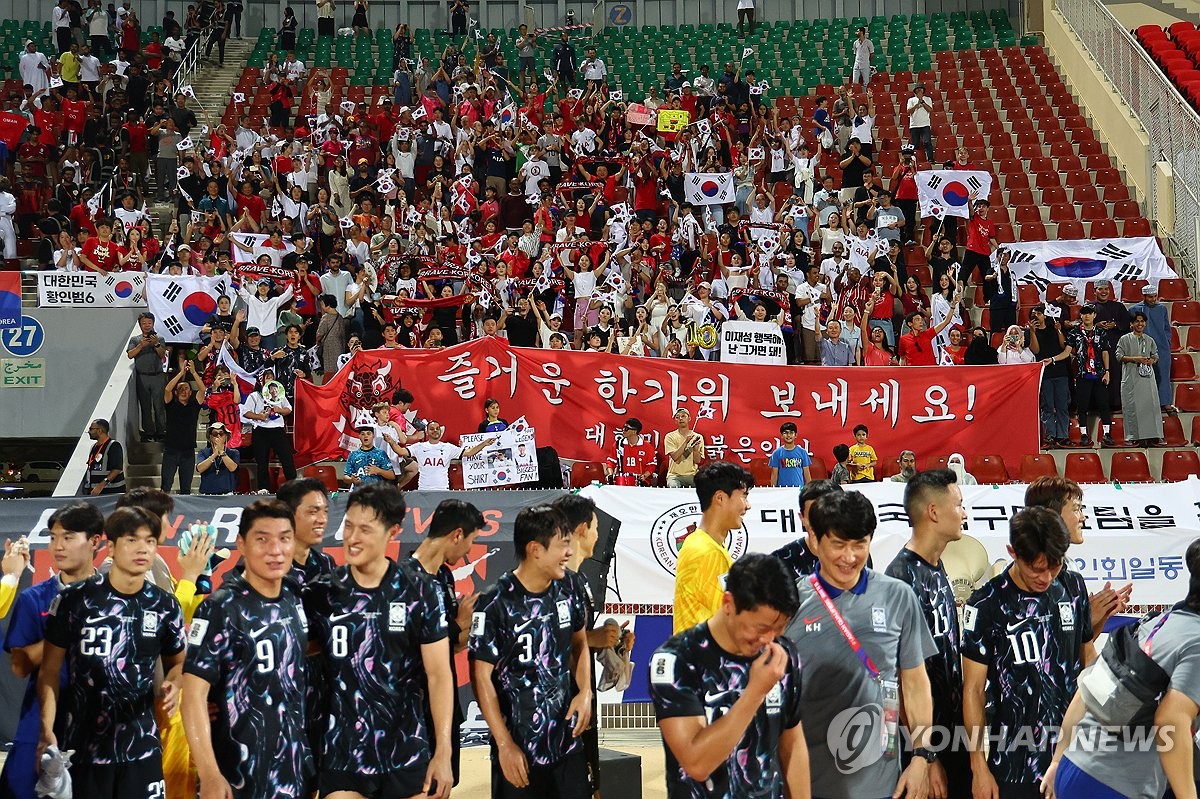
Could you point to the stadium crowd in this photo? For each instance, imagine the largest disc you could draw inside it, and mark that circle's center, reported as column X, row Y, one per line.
column 475, row 199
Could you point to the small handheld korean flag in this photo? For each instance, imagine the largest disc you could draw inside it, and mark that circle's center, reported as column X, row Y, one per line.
column 704, row 127
column 239, row 97
column 706, row 411
column 575, row 94
column 616, row 95
column 386, row 186
column 755, row 153
column 520, row 425
column 419, row 113
column 543, row 283
column 181, row 173
column 56, row 82
column 347, row 106
column 94, row 204
column 186, row 90
column 345, row 223
column 756, row 89
column 548, row 73
column 747, row 52
column 185, row 145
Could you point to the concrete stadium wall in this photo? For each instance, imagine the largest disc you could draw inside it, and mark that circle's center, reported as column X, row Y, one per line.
column 81, row 346
column 1116, row 125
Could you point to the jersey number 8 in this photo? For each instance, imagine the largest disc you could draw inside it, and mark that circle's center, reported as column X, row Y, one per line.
column 264, row 651
column 339, row 644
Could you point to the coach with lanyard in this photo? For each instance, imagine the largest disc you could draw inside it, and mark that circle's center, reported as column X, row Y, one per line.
column 863, row 632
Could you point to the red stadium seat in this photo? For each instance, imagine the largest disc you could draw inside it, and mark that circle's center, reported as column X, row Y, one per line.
column 1193, row 338
column 1085, row 194
column 1183, row 368
column 1027, row 295
column 1130, row 467
column 1043, row 180
column 1179, row 465
column 1103, row 229
column 1054, row 195
column 1093, row 211
column 1085, row 467
column 1027, row 213
column 1195, row 430
column 1020, row 196
column 989, row 469
column 1068, row 163
column 1005, row 233
column 1172, row 431
column 325, row 473
column 585, row 472
column 1136, row 227
column 818, row 470
column 1070, row 230
column 1033, row 231
column 1108, row 177
column 1187, row 397
column 1185, row 313
column 888, row 467
column 936, row 462
column 1035, row 466
column 1173, row 289
column 1131, row 290
column 761, row 469
column 1041, row 163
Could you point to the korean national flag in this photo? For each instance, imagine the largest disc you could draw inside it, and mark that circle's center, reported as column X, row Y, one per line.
column 947, row 192
column 709, row 188
column 183, row 303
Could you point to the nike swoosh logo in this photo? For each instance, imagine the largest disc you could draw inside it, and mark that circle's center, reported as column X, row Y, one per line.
column 96, row 619
column 260, row 631
column 341, row 616
column 528, row 622
column 813, row 620
column 710, row 697
column 1011, row 627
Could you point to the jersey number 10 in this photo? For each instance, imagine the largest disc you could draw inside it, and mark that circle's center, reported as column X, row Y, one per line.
column 1025, row 647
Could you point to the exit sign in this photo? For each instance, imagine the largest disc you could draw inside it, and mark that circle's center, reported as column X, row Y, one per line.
column 23, row 372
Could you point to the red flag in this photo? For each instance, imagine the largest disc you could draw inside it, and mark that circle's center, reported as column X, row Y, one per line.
column 11, row 127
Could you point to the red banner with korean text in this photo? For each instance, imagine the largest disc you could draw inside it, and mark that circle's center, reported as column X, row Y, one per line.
column 579, row 402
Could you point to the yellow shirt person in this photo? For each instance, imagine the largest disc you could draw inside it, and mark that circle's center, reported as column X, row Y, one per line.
column 722, row 489
column 863, row 459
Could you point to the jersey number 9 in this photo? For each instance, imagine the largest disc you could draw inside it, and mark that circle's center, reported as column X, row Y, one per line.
column 264, row 651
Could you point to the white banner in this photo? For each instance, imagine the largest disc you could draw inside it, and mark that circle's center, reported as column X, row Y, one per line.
column 183, row 303
column 752, row 342
column 91, row 290
column 1134, row 533
column 510, row 460
column 947, row 192
column 709, row 188
column 1078, row 261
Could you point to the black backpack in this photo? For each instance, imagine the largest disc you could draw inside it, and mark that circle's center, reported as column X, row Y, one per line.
column 1124, row 685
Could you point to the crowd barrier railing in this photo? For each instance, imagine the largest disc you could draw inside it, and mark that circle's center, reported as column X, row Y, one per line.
column 1168, row 118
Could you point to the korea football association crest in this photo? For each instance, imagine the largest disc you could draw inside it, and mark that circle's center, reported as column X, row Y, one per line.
column 397, row 616
column 672, row 528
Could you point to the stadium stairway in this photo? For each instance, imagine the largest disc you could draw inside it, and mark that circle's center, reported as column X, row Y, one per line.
column 214, row 83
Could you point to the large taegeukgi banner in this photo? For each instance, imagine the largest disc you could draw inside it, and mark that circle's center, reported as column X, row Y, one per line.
column 580, row 401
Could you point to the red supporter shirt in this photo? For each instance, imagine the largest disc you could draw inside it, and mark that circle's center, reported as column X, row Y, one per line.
column 74, row 115
column 629, row 458
column 253, row 204
column 137, row 134
column 979, row 233
column 103, row 254
column 917, row 349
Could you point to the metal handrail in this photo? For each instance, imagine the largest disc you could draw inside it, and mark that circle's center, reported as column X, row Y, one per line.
column 117, row 389
column 1170, row 121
